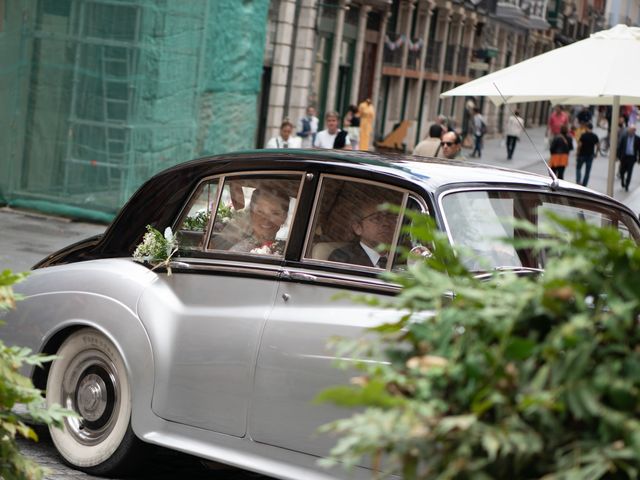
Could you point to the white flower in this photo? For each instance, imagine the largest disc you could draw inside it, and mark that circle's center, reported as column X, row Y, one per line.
column 168, row 235
column 263, row 250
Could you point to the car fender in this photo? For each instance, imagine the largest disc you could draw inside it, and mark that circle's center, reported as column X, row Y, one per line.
column 99, row 294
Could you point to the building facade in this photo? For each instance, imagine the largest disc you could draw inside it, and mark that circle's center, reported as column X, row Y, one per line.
column 404, row 53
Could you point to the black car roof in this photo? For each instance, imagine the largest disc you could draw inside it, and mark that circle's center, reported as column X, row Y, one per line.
column 432, row 173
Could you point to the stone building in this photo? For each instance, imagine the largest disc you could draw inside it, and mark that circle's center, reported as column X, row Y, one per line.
column 404, row 53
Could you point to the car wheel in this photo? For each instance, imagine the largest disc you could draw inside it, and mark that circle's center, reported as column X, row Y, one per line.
column 90, row 378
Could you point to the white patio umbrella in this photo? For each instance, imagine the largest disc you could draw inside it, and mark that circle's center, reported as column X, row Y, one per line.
column 603, row 69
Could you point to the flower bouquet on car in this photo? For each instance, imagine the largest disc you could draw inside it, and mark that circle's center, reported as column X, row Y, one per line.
column 157, row 248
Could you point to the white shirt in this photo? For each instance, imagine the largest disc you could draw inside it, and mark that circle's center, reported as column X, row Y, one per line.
column 478, row 120
column 513, row 127
column 371, row 253
column 279, row 142
column 324, row 139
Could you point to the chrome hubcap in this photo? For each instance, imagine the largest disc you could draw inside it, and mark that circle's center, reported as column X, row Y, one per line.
column 92, row 397
column 91, row 388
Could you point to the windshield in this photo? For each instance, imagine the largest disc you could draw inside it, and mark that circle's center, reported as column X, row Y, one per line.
column 477, row 221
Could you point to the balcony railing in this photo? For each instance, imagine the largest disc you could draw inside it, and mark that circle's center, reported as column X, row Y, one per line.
column 433, row 56
column 448, row 59
column 463, row 57
column 393, row 49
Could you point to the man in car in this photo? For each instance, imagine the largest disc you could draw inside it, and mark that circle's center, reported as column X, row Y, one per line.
column 374, row 230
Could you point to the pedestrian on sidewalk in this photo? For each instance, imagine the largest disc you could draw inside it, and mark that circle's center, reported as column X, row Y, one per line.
column 367, row 114
column 560, row 147
column 515, row 125
column 451, row 145
column 332, row 136
column 479, row 129
column 588, row 147
column 430, row 147
column 285, row 139
column 557, row 120
column 351, row 123
column 628, row 153
column 308, row 127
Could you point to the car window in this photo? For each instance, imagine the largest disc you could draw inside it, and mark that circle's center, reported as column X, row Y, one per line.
column 254, row 214
column 193, row 225
column 351, row 226
column 479, row 221
column 407, row 243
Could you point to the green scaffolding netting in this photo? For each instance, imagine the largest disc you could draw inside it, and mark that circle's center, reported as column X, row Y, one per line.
column 102, row 94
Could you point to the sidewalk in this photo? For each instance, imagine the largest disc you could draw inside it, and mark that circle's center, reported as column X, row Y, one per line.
column 526, row 158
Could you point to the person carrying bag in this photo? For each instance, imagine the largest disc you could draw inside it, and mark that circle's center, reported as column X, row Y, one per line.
column 560, row 147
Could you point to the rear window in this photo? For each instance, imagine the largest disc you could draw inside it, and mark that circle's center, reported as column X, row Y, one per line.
column 477, row 221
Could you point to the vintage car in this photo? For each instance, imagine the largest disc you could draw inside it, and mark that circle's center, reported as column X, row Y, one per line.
column 223, row 358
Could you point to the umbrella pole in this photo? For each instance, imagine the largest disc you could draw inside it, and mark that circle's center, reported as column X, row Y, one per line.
column 613, row 144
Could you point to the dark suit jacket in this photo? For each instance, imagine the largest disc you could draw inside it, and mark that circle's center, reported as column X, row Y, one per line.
column 351, row 253
column 622, row 146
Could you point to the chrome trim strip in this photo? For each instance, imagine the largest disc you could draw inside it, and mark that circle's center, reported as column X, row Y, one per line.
column 396, row 233
column 298, row 275
column 312, row 223
column 336, row 279
column 214, row 213
column 222, row 266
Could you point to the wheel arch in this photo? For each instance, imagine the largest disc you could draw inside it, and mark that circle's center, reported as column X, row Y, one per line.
column 118, row 323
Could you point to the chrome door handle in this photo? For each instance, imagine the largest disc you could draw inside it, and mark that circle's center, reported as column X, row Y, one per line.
column 287, row 275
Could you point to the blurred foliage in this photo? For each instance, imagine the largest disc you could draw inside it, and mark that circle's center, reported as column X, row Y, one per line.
column 18, row 390
column 505, row 376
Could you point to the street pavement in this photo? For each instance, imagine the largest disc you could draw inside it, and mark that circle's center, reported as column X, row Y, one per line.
column 27, row 237
column 160, row 464
column 527, row 157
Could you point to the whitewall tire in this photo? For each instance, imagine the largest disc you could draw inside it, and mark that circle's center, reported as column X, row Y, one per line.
column 90, row 378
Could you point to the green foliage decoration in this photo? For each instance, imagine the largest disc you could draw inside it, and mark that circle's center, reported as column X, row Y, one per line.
column 18, row 390
column 504, row 376
column 197, row 222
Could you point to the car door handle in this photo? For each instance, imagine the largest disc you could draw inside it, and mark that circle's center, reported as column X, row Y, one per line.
column 178, row 264
column 287, row 275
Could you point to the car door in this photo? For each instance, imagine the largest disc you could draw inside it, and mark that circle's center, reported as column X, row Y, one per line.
column 208, row 315
column 295, row 362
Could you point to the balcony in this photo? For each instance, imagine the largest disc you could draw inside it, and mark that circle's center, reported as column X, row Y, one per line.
column 527, row 14
column 413, row 60
column 393, row 50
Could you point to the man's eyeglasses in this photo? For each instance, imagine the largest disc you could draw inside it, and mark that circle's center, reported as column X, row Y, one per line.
column 380, row 217
column 447, row 144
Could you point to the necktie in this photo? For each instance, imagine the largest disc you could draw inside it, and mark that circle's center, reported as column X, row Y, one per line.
column 285, row 145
